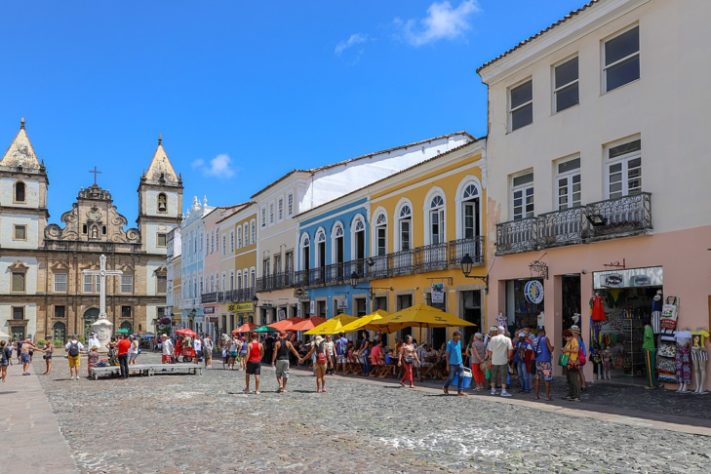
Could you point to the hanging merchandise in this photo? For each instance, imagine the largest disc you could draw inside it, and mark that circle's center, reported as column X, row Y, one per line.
column 666, row 369
column 657, row 312
column 597, row 307
column 670, row 314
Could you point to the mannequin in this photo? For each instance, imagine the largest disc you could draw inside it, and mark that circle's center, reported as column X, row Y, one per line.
column 502, row 320
column 683, row 360
column 657, row 312
column 699, row 359
column 606, row 363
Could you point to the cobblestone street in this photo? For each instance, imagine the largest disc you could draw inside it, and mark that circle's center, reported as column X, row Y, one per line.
column 205, row 424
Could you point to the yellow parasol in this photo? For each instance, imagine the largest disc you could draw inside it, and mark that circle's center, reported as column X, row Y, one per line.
column 422, row 316
column 366, row 322
column 332, row 326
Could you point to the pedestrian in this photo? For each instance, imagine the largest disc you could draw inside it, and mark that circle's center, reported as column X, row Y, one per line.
column 122, row 348
column 544, row 364
column 48, row 351
column 207, row 348
column 477, row 361
column 5, row 358
column 241, row 356
column 407, row 360
column 280, row 360
column 111, row 346
column 133, row 350
column 454, row 363
column 255, row 352
column 523, row 354
column 167, row 348
column 25, row 356
column 330, row 354
column 318, row 348
column 74, row 349
column 572, row 349
column 341, row 349
column 582, row 356
column 92, row 359
column 197, row 347
column 499, row 352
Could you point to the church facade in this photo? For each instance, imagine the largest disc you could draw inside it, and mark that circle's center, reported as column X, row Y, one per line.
column 43, row 290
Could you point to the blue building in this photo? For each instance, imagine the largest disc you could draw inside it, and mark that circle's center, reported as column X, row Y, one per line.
column 333, row 256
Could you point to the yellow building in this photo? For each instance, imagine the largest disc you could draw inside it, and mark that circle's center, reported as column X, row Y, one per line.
column 423, row 222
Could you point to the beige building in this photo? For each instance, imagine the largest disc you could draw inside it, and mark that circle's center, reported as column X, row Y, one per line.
column 45, row 293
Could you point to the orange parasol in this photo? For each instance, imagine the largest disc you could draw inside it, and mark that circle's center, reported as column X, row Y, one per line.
column 308, row 324
column 285, row 324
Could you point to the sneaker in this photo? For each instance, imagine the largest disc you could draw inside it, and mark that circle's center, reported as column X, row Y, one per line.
column 257, row 392
column 574, row 399
column 494, row 392
column 504, row 393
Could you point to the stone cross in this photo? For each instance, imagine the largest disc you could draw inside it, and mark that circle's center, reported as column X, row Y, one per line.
column 102, row 273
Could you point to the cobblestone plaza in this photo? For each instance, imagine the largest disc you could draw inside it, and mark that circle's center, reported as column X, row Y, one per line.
column 172, row 424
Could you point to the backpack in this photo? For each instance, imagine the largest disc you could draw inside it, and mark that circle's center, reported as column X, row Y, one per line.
column 73, row 349
column 6, row 355
column 321, row 354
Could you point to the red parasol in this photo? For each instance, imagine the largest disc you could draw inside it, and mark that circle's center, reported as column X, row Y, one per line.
column 246, row 327
column 286, row 324
column 308, row 324
column 186, row 332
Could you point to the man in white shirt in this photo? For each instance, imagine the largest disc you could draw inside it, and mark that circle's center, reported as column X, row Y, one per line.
column 499, row 352
column 74, row 349
column 167, row 344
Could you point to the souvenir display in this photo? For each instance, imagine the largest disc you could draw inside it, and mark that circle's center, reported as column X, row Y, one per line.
column 699, row 358
column 657, row 312
column 683, row 360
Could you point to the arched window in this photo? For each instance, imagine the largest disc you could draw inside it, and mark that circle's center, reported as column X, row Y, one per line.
column 470, row 212
column 253, row 240
column 60, row 332
column 405, row 227
column 162, row 202
column 381, row 234
column 338, row 251
column 239, row 237
column 358, row 238
column 19, row 191
column 436, row 224
column 321, row 254
column 305, row 252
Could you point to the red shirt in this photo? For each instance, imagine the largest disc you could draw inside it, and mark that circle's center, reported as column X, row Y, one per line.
column 123, row 346
column 255, row 354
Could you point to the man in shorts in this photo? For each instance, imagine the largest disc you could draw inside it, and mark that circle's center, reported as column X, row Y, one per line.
column 544, row 363
column 280, row 360
column 499, row 352
column 255, row 351
column 341, row 348
column 26, row 350
column 74, row 349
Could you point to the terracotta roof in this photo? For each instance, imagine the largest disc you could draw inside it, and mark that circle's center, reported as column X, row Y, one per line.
column 235, row 209
column 362, row 157
column 539, row 34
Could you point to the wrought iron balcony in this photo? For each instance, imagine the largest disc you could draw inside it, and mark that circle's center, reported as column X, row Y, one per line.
column 237, row 296
column 209, row 297
column 275, row 281
column 612, row 218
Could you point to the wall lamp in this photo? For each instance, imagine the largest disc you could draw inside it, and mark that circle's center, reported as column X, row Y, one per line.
column 467, row 263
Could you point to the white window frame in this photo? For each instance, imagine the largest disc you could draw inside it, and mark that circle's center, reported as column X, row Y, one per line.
column 239, row 237
column 522, row 188
column 126, row 283
column 511, row 110
column 623, row 160
column 404, row 218
column 280, row 209
column 604, row 67
column 59, row 286
column 290, row 204
column 569, row 176
column 568, row 84
column 440, row 214
column 381, row 226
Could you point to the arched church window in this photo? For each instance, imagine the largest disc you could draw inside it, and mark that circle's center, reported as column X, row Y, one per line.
column 20, row 192
column 162, row 202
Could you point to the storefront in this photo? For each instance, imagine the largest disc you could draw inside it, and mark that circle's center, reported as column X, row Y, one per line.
column 242, row 313
column 524, row 303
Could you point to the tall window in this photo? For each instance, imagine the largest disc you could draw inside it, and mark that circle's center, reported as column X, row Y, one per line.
column 265, row 267
column 60, row 282
column 381, row 235
column 320, row 249
column 437, row 220
column 162, row 202
column 522, row 196
column 288, row 262
column 621, row 59
column 19, row 192
column 252, row 278
column 126, row 283
column 277, row 263
column 232, row 241
column 161, row 283
column 290, row 204
column 305, row 253
column 271, row 213
column 224, row 245
column 624, row 169
column 264, row 216
column 18, row 281
column 125, row 312
column 470, row 212
column 565, row 88
column 232, row 281
column 253, row 240
column 405, row 227
column 239, row 237
column 521, row 105
column 280, row 208
column 18, row 313
column 239, row 280
column 88, row 284
column 568, row 183
column 245, row 234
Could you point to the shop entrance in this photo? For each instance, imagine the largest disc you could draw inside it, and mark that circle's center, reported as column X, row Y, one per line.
column 524, row 302
column 470, row 304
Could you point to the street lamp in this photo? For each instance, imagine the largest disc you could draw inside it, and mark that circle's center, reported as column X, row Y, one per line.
column 354, row 283
column 467, row 263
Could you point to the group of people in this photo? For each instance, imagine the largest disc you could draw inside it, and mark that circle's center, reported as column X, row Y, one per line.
column 197, row 348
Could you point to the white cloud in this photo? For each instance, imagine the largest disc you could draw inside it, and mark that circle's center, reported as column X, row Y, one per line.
column 353, row 40
column 219, row 167
column 442, row 22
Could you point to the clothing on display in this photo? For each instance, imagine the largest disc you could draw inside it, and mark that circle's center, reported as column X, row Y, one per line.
column 657, row 312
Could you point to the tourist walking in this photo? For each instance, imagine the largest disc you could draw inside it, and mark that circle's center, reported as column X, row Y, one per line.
column 454, row 363
column 74, row 348
column 255, row 352
column 499, row 352
column 582, row 356
column 571, row 368
column 197, row 347
column 241, row 356
column 133, row 350
column 523, row 355
column 167, row 347
column 26, row 350
column 207, row 348
column 407, row 360
column 544, row 363
column 122, row 348
column 330, row 354
column 341, row 349
column 48, row 351
column 318, row 348
column 477, row 361
column 280, row 360
column 5, row 357
column 233, row 352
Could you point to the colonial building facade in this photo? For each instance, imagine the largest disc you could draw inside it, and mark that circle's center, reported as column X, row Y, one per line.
column 43, row 292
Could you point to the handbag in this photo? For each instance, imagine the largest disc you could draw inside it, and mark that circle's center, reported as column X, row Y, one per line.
column 563, row 360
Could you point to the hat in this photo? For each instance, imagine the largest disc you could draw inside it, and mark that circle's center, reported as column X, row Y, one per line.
column 575, row 328
column 319, row 339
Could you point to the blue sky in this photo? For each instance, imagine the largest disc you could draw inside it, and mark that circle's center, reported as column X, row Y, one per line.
column 243, row 91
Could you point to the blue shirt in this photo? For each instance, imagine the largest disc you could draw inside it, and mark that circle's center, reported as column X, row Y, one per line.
column 454, row 349
column 542, row 352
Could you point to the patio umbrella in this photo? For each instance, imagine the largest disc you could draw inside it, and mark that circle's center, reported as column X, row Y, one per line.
column 262, row 329
column 186, row 333
column 308, row 324
column 122, row 330
column 246, row 327
column 332, row 326
column 285, row 324
column 422, row 316
column 366, row 322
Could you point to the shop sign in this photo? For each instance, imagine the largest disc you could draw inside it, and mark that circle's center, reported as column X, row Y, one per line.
column 437, row 294
column 240, row 307
column 209, row 310
column 629, row 278
column 533, row 291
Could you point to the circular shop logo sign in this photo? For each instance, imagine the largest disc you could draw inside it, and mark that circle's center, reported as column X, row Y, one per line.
column 533, row 290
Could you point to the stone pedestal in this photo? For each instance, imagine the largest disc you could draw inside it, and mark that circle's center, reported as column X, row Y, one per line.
column 103, row 329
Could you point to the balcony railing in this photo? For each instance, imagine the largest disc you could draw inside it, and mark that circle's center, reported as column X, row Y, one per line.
column 209, row 297
column 275, row 281
column 628, row 215
column 229, row 296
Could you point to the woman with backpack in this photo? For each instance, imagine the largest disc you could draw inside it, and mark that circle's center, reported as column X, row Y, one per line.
column 319, row 349
column 5, row 356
